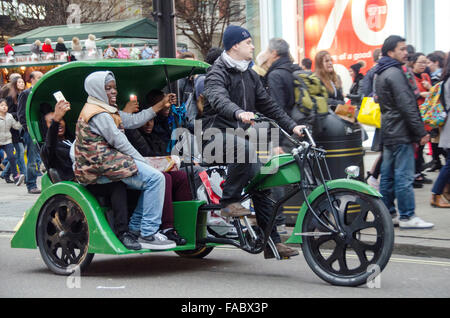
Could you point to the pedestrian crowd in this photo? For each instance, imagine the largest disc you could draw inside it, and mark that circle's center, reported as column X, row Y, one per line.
column 235, row 88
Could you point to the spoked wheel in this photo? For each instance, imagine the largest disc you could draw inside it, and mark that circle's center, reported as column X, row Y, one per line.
column 199, row 252
column 63, row 236
column 352, row 258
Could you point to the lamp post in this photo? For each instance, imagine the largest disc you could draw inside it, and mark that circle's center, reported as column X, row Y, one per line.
column 164, row 14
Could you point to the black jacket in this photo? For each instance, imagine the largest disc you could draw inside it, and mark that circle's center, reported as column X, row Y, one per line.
column 229, row 92
column 280, row 83
column 401, row 121
column 148, row 145
column 21, row 108
column 12, row 109
column 55, row 153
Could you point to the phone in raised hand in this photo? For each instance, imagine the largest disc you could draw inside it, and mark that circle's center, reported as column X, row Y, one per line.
column 59, row 96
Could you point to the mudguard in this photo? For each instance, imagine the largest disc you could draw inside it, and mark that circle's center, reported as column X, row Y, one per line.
column 349, row 184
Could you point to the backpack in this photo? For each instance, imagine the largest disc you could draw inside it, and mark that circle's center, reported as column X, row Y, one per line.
column 311, row 96
column 432, row 110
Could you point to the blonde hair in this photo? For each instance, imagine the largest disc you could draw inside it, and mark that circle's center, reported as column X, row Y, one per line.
column 60, row 40
column 91, row 37
column 37, row 42
column 48, row 41
column 75, row 40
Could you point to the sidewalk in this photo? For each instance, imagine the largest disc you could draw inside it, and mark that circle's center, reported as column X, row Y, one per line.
column 14, row 201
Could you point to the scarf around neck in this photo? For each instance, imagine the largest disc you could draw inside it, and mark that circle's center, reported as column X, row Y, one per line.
column 241, row 66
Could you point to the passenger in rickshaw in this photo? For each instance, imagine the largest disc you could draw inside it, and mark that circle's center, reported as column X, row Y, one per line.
column 151, row 144
column 55, row 154
column 104, row 154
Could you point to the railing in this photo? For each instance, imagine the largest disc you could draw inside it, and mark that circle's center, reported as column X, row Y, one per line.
column 56, row 57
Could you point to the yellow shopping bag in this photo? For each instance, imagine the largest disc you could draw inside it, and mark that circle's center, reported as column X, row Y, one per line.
column 370, row 113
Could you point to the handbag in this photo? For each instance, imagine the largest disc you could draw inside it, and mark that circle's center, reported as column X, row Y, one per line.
column 370, row 113
column 432, row 111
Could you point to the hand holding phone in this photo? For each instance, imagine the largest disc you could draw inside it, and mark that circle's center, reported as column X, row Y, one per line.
column 59, row 96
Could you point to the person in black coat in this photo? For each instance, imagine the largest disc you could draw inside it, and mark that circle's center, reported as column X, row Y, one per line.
column 233, row 94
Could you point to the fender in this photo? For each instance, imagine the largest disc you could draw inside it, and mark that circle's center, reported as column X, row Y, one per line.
column 349, row 184
column 102, row 239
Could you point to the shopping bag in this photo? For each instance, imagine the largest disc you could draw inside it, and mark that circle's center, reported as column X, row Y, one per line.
column 432, row 111
column 370, row 113
column 346, row 112
column 164, row 163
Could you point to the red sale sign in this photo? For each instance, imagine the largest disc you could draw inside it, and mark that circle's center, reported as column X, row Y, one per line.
column 350, row 30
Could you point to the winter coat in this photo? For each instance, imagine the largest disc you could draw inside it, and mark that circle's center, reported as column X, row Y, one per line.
column 47, row 48
column 280, row 82
column 5, row 126
column 444, row 141
column 55, row 153
column 401, row 121
column 229, row 92
column 12, row 109
column 60, row 47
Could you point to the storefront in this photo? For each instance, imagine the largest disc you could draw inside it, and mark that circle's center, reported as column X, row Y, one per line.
column 350, row 29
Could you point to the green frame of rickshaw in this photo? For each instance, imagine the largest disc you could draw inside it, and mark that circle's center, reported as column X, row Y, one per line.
column 133, row 77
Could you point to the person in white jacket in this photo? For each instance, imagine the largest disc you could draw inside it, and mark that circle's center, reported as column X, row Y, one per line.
column 7, row 122
column 90, row 45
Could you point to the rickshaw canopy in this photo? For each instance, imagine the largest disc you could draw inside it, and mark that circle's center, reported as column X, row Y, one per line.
column 137, row 77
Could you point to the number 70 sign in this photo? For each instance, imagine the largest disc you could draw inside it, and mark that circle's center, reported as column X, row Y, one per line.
column 350, row 29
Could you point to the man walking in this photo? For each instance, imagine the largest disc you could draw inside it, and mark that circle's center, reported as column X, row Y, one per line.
column 32, row 151
column 233, row 93
column 401, row 127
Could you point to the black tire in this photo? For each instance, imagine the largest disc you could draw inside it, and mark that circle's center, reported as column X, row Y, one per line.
column 63, row 236
column 360, row 215
column 200, row 252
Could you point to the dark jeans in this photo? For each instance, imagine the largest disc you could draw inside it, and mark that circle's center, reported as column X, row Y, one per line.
column 397, row 177
column 443, row 178
column 9, row 149
column 245, row 165
column 177, row 189
column 32, row 154
column 117, row 193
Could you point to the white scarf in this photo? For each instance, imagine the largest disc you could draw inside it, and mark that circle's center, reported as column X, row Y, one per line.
column 241, row 66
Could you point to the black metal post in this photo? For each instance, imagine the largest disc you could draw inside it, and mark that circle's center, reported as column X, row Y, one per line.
column 164, row 14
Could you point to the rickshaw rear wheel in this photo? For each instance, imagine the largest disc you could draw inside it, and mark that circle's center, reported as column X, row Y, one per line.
column 199, row 252
column 63, row 236
column 358, row 256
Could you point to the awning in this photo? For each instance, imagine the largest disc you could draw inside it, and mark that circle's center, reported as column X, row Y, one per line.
column 132, row 28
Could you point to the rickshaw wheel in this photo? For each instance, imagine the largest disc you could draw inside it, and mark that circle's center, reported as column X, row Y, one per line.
column 197, row 253
column 363, row 252
column 63, row 236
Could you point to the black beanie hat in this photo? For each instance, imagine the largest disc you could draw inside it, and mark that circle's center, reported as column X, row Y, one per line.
column 233, row 35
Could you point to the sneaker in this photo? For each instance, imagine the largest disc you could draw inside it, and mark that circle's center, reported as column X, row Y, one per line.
column 374, row 183
column 172, row 235
column 7, row 179
column 34, row 191
column 396, row 221
column 19, row 179
column 129, row 241
column 284, row 251
column 234, row 210
column 415, row 223
column 156, row 241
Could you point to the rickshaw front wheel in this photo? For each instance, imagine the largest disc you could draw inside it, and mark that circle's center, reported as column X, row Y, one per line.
column 63, row 236
column 199, row 252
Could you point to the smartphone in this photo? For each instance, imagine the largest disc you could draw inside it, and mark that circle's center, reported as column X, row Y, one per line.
column 59, row 96
column 133, row 98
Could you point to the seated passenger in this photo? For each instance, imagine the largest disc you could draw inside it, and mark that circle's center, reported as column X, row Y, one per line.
column 104, row 154
column 150, row 144
column 55, row 153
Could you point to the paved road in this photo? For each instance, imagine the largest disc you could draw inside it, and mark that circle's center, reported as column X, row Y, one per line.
column 226, row 272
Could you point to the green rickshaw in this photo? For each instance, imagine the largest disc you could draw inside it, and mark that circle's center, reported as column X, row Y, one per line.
column 344, row 228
